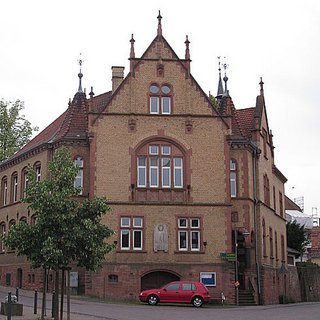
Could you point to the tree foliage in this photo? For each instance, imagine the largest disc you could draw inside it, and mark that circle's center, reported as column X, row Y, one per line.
column 297, row 237
column 15, row 129
column 66, row 230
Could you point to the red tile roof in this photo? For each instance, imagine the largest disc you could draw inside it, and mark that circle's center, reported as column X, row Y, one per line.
column 243, row 122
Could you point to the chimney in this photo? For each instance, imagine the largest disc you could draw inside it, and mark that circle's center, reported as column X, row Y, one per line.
column 117, row 77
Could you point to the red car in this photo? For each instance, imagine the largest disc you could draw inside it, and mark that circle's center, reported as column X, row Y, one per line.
column 177, row 292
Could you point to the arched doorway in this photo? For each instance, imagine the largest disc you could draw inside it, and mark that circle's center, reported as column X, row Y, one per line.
column 157, row 279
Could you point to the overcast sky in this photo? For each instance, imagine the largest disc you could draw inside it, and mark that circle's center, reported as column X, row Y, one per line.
column 276, row 39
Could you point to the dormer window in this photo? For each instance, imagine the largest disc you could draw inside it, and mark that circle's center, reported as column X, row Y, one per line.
column 160, row 99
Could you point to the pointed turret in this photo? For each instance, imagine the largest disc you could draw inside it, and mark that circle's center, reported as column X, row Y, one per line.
column 80, row 75
column 220, row 86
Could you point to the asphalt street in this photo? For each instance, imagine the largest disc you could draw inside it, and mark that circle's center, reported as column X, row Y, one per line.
column 82, row 309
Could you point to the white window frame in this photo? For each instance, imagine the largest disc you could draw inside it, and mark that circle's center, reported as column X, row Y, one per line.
column 156, row 169
column 133, row 227
column 167, row 170
column 191, row 244
column 157, row 100
column 5, row 192
column 38, row 173
column 122, row 232
column 233, row 178
column 180, row 232
column 169, row 104
column 15, row 188
column 176, row 168
column 79, row 176
column 144, row 168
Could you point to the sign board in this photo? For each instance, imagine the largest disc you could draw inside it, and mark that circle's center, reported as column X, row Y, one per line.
column 208, row 278
column 74, row 279
column 228, row 256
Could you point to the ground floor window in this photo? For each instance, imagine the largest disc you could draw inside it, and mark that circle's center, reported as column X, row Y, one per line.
column 131, row 233
column 189, row 234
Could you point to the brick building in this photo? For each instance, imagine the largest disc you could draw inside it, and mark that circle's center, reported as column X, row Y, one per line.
column 187, row 176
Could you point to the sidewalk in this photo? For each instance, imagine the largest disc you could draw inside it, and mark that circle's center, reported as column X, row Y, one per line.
column 26, row 298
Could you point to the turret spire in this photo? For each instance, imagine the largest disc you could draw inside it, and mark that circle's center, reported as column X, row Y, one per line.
column 80, row 75
column 220, row 86
column 159, row 32
column 225, row 79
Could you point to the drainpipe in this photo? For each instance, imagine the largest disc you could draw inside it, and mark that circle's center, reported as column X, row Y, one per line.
column 255, row 202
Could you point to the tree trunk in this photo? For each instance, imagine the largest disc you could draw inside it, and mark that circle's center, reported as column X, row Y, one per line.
column 68, row 294
column 62, row 293
column 43, row 308
column 56, row 297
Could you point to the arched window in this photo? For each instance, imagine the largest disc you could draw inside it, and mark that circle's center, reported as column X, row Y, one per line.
column 233, row 178
column 266, row 189
column 12, row 222
column 264, row 247
column 24, row 181
column 78, row 181
column 23, row 219
column 14, row 187
column 33, row 220
column 2, row 233
column 271, row 242
column 4, row 191
column 160, row 99
column 37, row 168
column 160, row 165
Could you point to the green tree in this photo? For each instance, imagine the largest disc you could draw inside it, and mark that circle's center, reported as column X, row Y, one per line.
column 15, row 129
column 297, row 236
column 66, row 230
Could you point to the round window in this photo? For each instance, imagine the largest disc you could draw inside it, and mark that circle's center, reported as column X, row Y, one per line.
column 154, row 89
column 165, row 89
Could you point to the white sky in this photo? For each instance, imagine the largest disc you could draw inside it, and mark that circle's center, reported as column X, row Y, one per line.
column 276, row 39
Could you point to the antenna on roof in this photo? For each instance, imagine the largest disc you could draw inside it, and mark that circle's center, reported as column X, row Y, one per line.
column 80, row 75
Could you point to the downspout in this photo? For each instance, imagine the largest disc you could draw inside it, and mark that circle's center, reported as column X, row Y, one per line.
column 255, row 202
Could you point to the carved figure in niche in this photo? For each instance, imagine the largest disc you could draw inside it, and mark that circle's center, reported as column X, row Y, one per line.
column 160, row 238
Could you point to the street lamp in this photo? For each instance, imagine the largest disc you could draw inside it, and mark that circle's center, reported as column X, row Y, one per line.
column 236, row 280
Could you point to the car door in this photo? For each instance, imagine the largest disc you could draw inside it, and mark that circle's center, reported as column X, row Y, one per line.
column 170, row 293
column 187, row 291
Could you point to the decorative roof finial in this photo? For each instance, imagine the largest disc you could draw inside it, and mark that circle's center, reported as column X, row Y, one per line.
column 261, row 87
column 187, row 54
column 80, row 75
column 159, row 25
column 132, row 54
column 220, row 85
column 225, row 78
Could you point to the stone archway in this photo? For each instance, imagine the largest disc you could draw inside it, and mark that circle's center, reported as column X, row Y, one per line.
column 157, row 279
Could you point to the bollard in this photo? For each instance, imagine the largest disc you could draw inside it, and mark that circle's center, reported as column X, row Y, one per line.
column 35, row 304
column 9, row 306
column 17, row 293
column 52, row 304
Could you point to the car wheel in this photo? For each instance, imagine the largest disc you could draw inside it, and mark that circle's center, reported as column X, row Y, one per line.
column 197, row 302
column 153, row 300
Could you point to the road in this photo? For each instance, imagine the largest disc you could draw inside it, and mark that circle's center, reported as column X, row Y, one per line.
column 86, row 309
